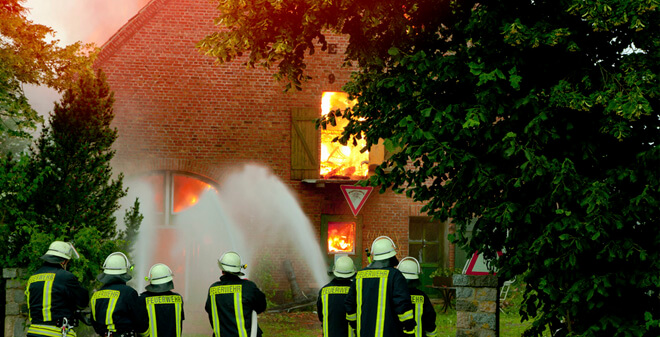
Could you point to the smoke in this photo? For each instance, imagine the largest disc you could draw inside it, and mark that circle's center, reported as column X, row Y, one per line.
column 83, row 20
column 88, row 21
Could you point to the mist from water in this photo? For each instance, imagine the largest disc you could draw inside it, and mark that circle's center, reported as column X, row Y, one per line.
column 253, row 210
column 271, row 215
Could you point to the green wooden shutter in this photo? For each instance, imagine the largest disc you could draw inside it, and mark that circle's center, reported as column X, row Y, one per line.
column 304, row 144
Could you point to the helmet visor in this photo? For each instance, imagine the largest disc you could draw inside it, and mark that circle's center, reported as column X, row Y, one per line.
column 74, row 252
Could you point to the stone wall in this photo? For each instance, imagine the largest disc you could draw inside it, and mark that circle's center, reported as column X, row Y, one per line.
column 15, row 303
column 477, row 303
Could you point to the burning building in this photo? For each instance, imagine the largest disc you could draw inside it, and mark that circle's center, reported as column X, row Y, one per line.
column 185, row 123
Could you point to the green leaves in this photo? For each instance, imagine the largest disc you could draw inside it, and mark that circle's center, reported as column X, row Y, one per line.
column 64, row 187
column 538, row 118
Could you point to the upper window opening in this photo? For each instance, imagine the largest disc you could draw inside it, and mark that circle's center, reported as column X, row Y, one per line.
column 339, row 161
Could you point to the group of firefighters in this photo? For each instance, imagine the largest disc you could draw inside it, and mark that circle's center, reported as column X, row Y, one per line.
column 380, row 300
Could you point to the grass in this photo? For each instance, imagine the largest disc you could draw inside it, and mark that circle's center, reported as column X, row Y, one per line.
column 306, row 324
column 510, row 325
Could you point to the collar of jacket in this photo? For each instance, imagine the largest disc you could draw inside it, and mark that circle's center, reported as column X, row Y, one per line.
column 229, row 276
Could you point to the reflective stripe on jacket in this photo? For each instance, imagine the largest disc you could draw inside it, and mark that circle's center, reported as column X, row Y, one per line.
column 424, row 314
column 165, row 312
column 52, row 294
column 230, row 303
column 47, row 330
column 331, row 309
column 379, row 303
column 116, row 307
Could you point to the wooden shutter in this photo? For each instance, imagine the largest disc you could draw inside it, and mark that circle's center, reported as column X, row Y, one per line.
column 305, row 137
column 377, row 153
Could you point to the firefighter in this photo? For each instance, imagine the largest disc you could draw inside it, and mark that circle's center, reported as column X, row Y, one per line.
column 232, row 300
column 423, row 309
column 165, row 307
column 378, row 302
column 117, row 310
column 330, row 303
column 54, row 294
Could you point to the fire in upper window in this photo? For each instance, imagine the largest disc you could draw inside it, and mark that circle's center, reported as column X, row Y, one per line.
column 338, row 161
column 341, row 237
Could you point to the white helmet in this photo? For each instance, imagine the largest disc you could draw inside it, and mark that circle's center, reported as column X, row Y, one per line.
column 159, row 273
column 383, row 248
column 62, row 249
column 231, row 262
column 343, row 267
column 116, row 264
column 410, row 268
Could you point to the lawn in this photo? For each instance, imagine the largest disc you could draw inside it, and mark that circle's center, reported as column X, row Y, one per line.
column 305, row 323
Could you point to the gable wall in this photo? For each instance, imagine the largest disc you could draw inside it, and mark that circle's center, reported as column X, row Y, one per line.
column 178, row 110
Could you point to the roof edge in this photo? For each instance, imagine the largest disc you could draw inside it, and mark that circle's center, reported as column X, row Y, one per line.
column 129, row 29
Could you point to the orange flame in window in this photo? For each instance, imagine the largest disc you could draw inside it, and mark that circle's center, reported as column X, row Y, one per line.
column 338, row 161
column 341, row 237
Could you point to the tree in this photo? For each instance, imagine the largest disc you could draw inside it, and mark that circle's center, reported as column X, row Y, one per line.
column 27, row 56
column 538, row 118
column 74, row 195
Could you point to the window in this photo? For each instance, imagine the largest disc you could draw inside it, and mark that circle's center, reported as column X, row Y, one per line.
column 174, row 192
column 426, row 241
column 315, row 156
column 343, row 236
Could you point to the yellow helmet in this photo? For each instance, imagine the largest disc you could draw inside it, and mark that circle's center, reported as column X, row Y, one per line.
column 344, row 267
column 116, row 264
column 410, row 268
column 383, row 248
column 159, row 273
column 60, row 250
column 231, row 262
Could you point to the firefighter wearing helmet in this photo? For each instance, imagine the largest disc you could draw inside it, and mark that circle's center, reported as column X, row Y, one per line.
column 165, row 307
column 378, row 302
column 330, row 303
column 117, row 310
column 54, row 294
column 423, row 309
column 232, row 300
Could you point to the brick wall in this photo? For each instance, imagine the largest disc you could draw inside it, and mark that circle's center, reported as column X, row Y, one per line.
column 176, row 109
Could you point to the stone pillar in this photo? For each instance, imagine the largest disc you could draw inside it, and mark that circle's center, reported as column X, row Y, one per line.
column 15, row 302
column 477, row 303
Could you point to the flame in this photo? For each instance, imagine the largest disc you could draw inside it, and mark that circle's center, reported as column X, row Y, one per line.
column 187, row 191
column 338, row 161
column 341, row 237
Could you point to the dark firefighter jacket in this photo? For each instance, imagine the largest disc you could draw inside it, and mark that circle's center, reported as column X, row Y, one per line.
column 379, row 302
column 230, row 303
column 53, row 294
column 165, row 313
column 423, row 312
column 117, row 308
column 331, row 309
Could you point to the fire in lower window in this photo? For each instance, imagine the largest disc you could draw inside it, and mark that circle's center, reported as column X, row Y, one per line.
column 338, row 161
column 341, row 237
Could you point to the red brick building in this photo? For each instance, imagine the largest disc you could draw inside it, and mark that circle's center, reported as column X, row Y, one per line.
column 185, row 121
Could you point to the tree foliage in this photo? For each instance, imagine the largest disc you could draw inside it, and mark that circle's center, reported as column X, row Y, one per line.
column 29, row 54
column 65, row 189
column 539, row 118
